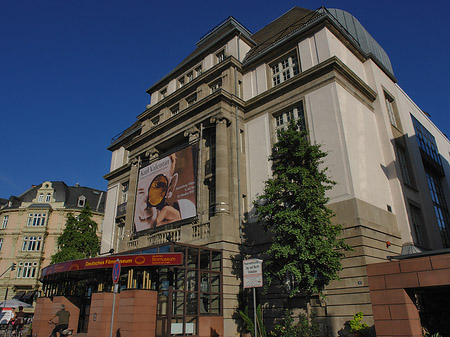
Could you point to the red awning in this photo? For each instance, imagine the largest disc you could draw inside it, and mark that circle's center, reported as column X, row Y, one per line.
column 163, row 259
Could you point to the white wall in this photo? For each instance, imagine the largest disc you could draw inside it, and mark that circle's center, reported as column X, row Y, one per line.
column 109, row 223
column 117, row 158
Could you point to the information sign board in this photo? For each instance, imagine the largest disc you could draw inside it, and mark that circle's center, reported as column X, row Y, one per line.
column 253, row 273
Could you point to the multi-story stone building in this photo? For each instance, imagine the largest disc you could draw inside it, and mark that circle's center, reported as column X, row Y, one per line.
column 30, row 226
column 190, row 167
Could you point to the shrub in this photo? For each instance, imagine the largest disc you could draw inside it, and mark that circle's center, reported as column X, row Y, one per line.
column 303, row 328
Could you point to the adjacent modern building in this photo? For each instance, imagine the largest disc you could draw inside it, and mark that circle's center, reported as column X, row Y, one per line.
column 184, row 176
column 30, row 225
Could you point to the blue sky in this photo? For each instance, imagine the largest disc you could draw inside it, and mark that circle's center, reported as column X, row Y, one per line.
column 73, row 74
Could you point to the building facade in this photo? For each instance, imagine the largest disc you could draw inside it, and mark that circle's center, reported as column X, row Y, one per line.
column 30, row 226
column 190, row 167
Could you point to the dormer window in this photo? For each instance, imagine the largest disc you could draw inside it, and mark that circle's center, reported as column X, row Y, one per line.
column 41, row 198
column 81, row 201
column 48, row 197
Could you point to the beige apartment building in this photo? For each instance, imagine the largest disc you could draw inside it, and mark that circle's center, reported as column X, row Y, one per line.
column 191, row 166
column 30, row 225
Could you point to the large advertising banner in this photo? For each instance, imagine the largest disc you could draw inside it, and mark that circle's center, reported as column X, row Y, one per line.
column 166, row 190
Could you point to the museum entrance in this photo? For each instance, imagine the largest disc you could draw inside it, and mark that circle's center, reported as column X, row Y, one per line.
column 186, row 280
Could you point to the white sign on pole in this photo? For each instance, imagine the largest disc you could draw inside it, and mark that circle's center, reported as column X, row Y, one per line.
column 253, row 273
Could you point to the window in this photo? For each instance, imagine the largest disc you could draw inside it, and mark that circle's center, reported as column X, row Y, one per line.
column 36, row 219
column 198, row 71
column 191, row 99
column 163, row 93
column 1, row 244
column 212, row 170
column 27, row 270
column 155, row 121
column 220, row 56
column 427, row 143
column 417, row 224
column 125, row 192
column 190, row 76
column 392, row 110
column 284, row 69
column 175, row 109
column 32, row 243
column 216, row 85
column 41, row 198
column 181, row 81
column 5, row 221
column 282, row 120
column 405, row 165
column 48, row 197
column 81, row 201
column 440, row 206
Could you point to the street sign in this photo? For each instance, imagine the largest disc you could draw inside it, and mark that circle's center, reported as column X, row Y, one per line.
column 116, row 271
column 253, row 273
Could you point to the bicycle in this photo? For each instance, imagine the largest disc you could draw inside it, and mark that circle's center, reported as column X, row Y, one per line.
column 64, row 332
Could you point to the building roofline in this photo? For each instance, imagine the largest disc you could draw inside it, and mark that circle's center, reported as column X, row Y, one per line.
column 207, row 41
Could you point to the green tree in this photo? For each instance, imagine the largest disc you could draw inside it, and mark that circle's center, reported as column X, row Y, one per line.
column 79, row 239
column 305, row 249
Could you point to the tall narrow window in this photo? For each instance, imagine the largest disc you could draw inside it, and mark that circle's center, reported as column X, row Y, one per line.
column 1, row 244
column 440, row 206
column 405, row 165
column 284, row 69
column 125, row 192
column 417, row 224
column 427, row 143
column 392, row 110
column 212, row 170
column 48, row 197
column 41, row 198
column 5, row 221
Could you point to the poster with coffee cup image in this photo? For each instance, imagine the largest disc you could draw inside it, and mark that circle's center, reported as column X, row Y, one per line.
column 166, row 190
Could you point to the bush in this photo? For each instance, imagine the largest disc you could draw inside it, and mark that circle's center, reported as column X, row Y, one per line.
column 357, row 325
column 303, row 328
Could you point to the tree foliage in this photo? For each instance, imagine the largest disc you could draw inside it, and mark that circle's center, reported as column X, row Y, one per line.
column 79, row 239
column 305, row 251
